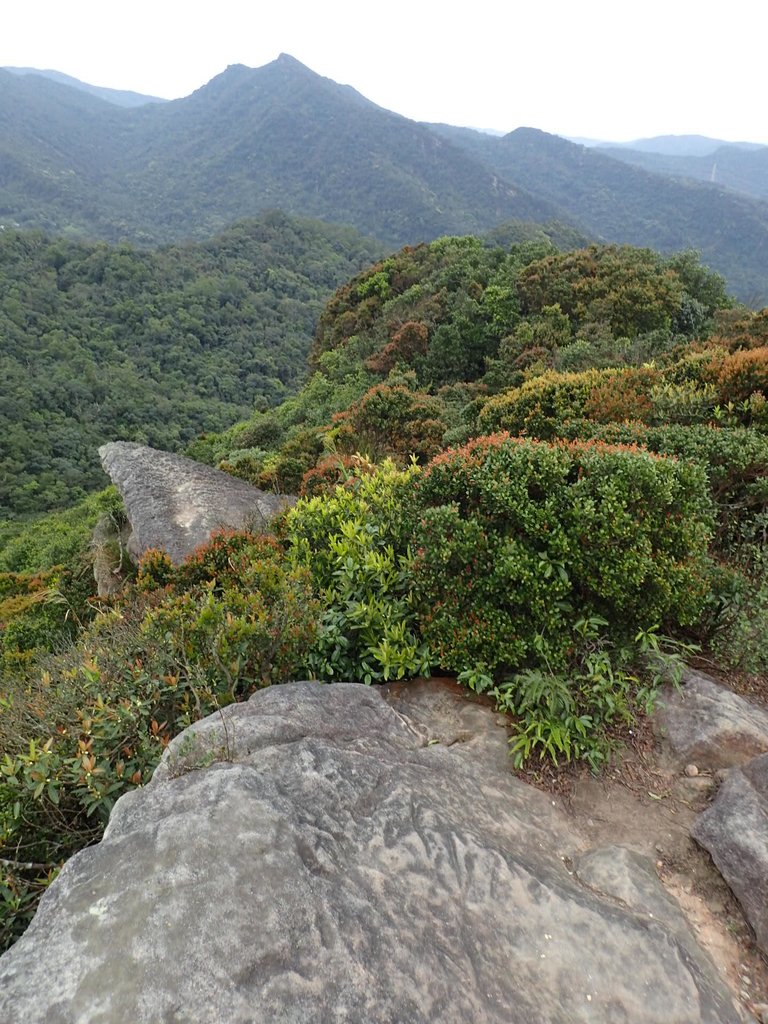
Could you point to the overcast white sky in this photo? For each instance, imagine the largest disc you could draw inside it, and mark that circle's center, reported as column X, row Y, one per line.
column 595, row 68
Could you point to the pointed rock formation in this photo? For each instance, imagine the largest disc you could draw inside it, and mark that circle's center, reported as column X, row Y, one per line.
column 174, row 503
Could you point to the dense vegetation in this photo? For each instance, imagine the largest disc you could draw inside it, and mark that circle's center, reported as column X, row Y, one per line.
column 282, row 136
column 545, row 472
column 99, row 343
column 626, row 203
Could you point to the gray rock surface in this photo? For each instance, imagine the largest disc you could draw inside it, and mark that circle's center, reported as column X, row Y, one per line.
column 313, row 857
column 734, row 829
column 174, row 503
column 709, row 725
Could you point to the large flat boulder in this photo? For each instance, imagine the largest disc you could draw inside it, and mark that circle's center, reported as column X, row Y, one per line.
column 734, row 829
column 174, row 504
column 320, row 855
column 705, row 723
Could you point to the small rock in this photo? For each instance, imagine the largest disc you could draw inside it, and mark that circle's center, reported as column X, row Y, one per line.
column 734, row 831
column 706, row 724
column 761, row 1012
column 691, row 771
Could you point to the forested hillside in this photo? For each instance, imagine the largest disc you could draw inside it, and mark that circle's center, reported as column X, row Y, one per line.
column 407, row 354
column 100, row 342
column 745, row 170
column 284, row 137
column 624, row 203
column 118, row 97
column 542, row 472
column 277, row 136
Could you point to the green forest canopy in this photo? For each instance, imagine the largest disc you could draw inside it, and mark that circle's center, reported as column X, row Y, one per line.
column 103, row 342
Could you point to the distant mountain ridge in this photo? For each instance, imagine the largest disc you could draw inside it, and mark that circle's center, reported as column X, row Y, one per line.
column 282, row 136
column 669, row 145
column 743, row 168
column 119, row 97
column 628, row 204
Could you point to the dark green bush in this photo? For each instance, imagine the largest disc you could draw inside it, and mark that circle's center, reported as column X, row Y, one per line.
column 735, row 461
column 519, row 539
column 736, row 619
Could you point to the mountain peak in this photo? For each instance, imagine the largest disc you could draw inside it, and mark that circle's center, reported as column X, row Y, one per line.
column 287, row 60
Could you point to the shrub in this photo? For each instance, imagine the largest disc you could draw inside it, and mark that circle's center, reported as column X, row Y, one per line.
column 735, row 461
column 741, row 375
column 539, row 406
column 43, row 611
column 334, row 471
column 518, row 539
column 75, row 738
column 631, row 289
column 58, row 538
column 736, row 623
column 622, row 396
column 355, row 544
column 235, row 612
column 283, row 470
column 575, row 715
column 233, row 618
column 407, row 341
column 392, row 421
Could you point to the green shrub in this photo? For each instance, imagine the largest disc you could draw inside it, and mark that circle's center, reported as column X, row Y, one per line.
column 391, row 421
column 235, row 612
column 43, row 611
column 75, row 738
column 540, row 406
column 736, row 619
column 630, row 289
column 735, row 461
column 57, row 538
column 544, row 406
column 355, row 544
column 233, row 618
column 575, row 715
column 518, row 539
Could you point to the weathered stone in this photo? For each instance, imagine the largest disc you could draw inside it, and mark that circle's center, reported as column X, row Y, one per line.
column 711, row 726
column 311, row 857
column 442, row 712
column 734, row 829
column 174, row 503
column 630, row 878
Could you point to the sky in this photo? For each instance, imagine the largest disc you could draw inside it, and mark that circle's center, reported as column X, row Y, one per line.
column 597, row 68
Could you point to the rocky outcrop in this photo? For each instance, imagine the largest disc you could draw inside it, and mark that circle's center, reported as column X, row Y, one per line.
column 734, row 829
column 709, row 725
column 174, row 503
column 326, row 854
